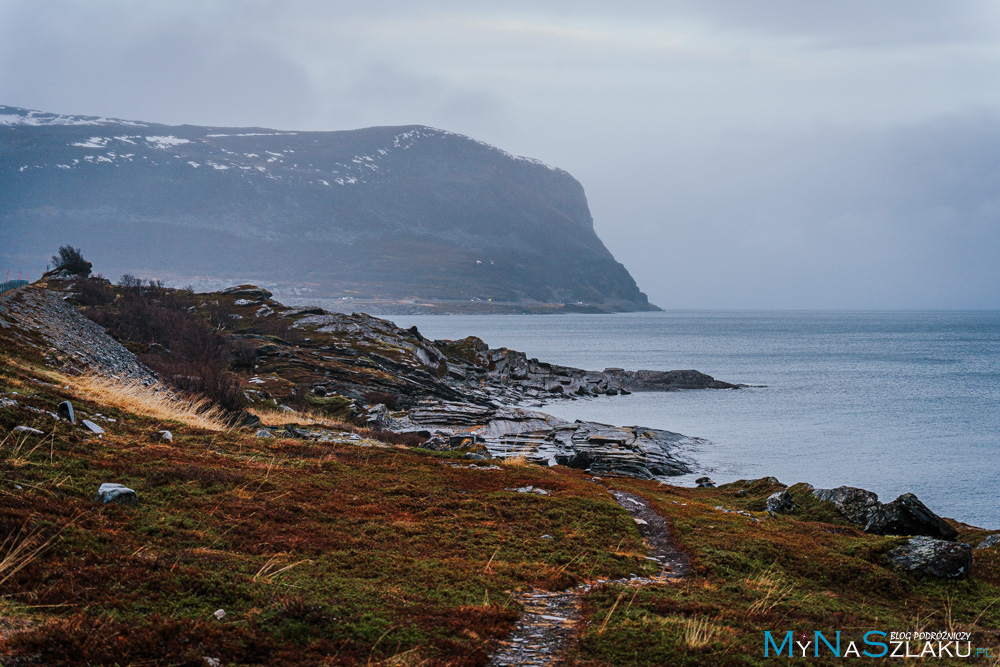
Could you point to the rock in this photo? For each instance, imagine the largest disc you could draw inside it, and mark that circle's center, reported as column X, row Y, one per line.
column 741, row 493
column 91, row 426
column 925, row 556
column 780, row 502
column 378, row 417
column 541, row 438
column 116, row 493
column 65, row 411
column 28, row 429
column 906, row 515
column 264, row 433
column 249, row 293
column 990, row 541
column 246, row 419
column 163, row 436
column 705, row 482
column 856, row 505
column 220, row 614
column 530, row 489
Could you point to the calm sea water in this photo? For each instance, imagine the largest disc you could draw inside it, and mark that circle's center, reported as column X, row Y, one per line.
column 892, row 402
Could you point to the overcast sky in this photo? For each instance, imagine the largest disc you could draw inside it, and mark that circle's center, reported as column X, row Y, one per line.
column 735, row 154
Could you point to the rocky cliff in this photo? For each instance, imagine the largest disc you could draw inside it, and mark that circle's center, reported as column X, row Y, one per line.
column 393, row 214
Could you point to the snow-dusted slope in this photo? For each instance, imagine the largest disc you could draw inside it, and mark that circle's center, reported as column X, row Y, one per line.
column 379, row 212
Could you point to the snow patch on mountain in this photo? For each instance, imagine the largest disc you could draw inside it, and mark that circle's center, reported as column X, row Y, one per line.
column 166, row 142
column 38, row 118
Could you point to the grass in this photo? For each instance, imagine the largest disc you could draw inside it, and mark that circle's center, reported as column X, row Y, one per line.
column 332, row 553
column 154, row 401
column 295, row 418
column 796, row 572
column 699, row 632
column 23, row 546
column 316, row 551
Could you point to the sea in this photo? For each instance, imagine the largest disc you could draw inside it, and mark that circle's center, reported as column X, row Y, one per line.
column 892, row 402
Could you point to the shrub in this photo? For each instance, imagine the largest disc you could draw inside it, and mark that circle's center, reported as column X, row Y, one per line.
column 186, row 350
column 71, row 259
column 95, row 291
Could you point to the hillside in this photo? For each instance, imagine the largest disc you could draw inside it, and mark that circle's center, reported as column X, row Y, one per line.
column 390, row 215
column 303, row 540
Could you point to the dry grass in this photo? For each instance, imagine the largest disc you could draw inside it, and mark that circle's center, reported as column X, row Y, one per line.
column 270, row 570
column 12, row 449
column 518, row 461
column 154, row 401
column 20, row 548
column 287, row 417
column 772, row 583
column 699, row 632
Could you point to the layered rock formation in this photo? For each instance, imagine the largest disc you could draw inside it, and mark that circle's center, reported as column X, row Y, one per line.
column 541, row 438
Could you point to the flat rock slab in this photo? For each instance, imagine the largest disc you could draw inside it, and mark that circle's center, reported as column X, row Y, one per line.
column 92, row 427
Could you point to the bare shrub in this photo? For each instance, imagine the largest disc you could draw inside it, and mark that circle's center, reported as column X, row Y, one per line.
column 71, row 259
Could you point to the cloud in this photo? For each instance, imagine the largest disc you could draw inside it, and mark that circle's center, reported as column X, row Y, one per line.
column 168, row 69
column 735, row 154
column 835, row 217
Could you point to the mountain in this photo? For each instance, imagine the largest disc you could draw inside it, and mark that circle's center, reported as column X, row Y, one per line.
column 395, row 214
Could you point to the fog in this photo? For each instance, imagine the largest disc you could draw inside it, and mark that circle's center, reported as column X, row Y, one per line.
column 734, row 154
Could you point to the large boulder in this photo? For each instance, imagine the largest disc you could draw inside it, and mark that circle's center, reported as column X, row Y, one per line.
column 905, row 515
column 927, row 557
column 856, row 505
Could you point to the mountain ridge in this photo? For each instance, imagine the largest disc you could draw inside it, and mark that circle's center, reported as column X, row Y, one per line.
column 381, row 213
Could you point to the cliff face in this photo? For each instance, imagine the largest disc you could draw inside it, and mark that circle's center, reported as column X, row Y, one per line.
column 379, row 213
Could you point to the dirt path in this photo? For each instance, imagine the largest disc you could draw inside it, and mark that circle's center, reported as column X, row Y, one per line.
column 546, row 628
column 654, row 530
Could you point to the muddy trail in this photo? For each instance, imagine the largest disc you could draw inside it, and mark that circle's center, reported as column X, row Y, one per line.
column 549, row 621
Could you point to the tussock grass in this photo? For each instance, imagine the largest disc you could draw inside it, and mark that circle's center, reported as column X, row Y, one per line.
column 518, row 461
column 699, row 632
column 292, row 417
column 154, row 401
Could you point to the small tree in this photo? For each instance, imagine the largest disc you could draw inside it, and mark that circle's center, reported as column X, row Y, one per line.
column 70, row 259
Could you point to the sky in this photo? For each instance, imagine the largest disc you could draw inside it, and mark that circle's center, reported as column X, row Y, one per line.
column 779, row 154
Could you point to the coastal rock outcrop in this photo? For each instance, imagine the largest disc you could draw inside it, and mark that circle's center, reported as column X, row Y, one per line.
column 906, row 515
column 541, row 438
